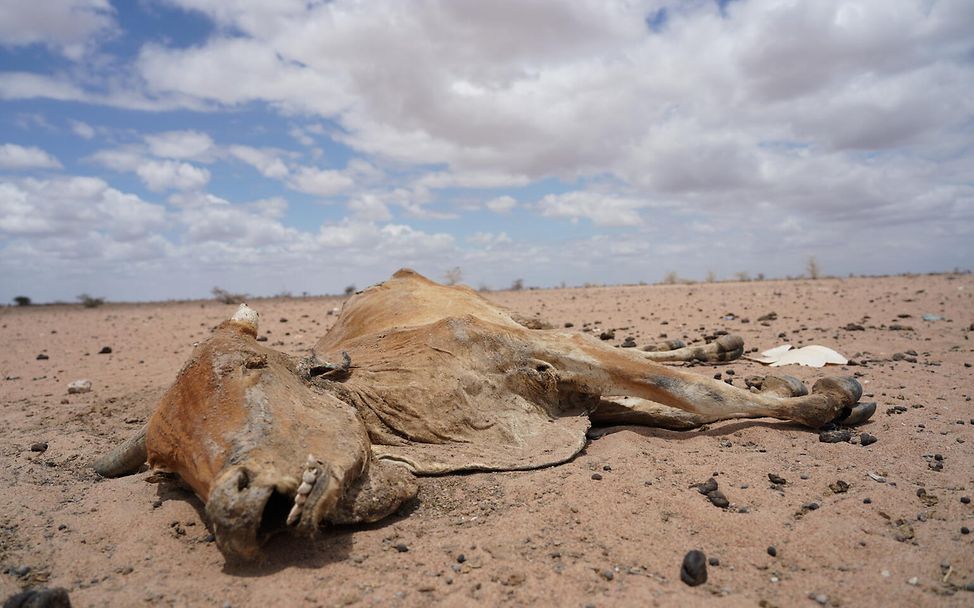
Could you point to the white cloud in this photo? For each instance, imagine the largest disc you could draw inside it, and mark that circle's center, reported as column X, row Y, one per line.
column 321, row 182
column 172, row 175
column 489, row 239
column 267, row 162
column 601, row 209
column 72, row 207
column 180, row 145
column 369, row 207
column 15, row 157
column 68, row 26
column 501, row 204
column 82, row 129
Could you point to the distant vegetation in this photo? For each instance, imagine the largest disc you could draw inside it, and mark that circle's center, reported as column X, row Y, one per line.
column 350, row 290
column 812, row 268
column 22, row 301
column 517, row 285
column 225, row 297
column 453, row 276
column 90, row 301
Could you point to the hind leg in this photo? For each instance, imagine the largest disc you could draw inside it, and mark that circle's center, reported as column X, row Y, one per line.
column 633, row 410
column 587, row 366
column 724, row 348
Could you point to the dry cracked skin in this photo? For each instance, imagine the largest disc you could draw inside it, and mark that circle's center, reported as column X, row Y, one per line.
column 609, row 526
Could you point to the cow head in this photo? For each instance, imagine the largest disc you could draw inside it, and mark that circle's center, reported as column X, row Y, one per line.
column 262, row 448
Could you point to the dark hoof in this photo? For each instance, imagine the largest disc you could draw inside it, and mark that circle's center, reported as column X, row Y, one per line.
column 783, row 386
column 846, row 390
column 856, row 414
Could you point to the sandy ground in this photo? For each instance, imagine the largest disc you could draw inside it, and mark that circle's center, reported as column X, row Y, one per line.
column 553, row 537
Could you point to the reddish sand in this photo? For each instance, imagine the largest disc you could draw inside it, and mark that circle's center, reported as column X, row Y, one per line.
column 552, row 537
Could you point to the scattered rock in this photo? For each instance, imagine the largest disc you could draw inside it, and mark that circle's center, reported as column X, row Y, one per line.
column 40, row 447
column 56, row 597
column 773, row 551
column 79, row 386
column 718, row 499
column 597, row 476
column 707, row 487
column 771, row 316
column 853, row 327
column 693, row 571
column 713, row 561
column 401, row 547
column 867, row 439
column 105, row 350
column 42, row 357
column 607, row 335
column 965, row 500
column 629, row 342
column 835, row 436
column 777, row 479
column 839, row 487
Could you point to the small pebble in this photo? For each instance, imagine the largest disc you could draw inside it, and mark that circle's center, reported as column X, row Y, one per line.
column 402, row 548
column 608, row 575
column 105, row 350
column 707, row 487
column 867, row 501
column 867, row 439
column 965, row 530
column 693, row 571
column 41, row 447
column 713, row 561
column 596, row 476
column 42, row 357
column 836, row 436
column 964, row 499
column 718, row 499
column 776, row 479
column 772, row 551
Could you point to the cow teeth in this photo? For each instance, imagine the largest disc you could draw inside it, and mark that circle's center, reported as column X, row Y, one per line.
column 293, row 516
column 304, row 489
column 309, row 476
column 312, row 461
column 300, row 499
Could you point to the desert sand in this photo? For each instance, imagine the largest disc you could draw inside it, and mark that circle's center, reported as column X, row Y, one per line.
column 551, row 537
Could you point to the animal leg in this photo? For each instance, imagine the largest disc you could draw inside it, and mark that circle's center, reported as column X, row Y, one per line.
column 613, row 411
column 589, row 367
column 724, row 348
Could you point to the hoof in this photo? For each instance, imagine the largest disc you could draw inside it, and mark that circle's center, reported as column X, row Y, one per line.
column 845, row 390
column 856, row 414
column 724, row 348
column 783, row 386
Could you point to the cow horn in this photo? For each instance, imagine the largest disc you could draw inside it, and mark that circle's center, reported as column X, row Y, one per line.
column 125, row 459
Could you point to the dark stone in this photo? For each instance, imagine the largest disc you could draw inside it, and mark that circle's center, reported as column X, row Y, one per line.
column 776, row 479
column 461, row 558
column 707, row 487
column 965, row 530
column 105, row 350
column 56, row 597
column 40, row 446
column 629, row 342
column 810, row 506
column 836, row 436
column 42, row 357
column 867, row 439
column 607, row 335
column 262, row 338
column 401, row 547
column 772, row 551
column 718, row 499
column 597, row 476
column 608, row 575
column 713, row 561
column 693, row 571
column 965, row 499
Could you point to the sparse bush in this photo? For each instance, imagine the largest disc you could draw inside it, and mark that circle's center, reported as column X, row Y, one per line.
column 742, row 275
column 517, row 285
column 22, row 301
column 484, row 287
column 760, row 277
column 812, row 268
column 89, row 301
column 350, row 291
column 711, row 276
column 670, row 278
column 453, row 276
column 225, row 297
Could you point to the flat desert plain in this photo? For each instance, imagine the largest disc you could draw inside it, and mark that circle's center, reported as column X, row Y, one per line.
column 560, row 536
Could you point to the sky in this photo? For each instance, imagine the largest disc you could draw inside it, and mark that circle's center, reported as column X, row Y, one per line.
column 155, row 149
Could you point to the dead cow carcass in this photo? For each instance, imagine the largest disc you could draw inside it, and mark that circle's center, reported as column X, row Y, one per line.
column 424, row 379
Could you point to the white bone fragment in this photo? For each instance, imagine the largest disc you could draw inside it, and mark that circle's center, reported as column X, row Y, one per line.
column 293, row 516
column 246, row 316
column 811, row 356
